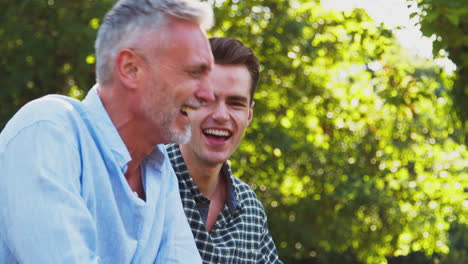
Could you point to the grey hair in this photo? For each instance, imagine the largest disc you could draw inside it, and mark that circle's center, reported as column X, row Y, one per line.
column 129, row 20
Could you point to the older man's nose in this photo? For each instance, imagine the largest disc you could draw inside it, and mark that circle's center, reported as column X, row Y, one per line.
column 205, row 93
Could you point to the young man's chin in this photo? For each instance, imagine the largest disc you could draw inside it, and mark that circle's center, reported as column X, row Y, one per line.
column 216, row 157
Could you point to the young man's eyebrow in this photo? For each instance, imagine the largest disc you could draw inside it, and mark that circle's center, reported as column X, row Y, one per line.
column 238, row 98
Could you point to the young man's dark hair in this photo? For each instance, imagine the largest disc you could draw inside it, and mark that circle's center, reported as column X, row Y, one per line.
column 229, row 51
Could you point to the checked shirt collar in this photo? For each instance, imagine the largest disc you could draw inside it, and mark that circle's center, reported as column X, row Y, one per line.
column 203, row 203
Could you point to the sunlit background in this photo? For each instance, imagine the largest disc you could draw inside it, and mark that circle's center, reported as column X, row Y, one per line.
column 357, row 148
column 395, row 14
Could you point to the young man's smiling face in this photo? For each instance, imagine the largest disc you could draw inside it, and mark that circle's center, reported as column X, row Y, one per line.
column 219, row 126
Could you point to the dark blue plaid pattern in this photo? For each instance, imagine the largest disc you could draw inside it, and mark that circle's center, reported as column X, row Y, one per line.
column 240, row 234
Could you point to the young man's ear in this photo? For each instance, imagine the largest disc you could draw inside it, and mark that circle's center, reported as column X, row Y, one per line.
column 128, row 66
column 251, row 109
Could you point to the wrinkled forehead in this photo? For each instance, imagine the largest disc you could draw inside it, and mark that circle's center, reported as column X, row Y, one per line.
column 187, row 34
column 184, row 42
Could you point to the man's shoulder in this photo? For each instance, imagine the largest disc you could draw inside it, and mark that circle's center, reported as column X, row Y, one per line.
column 48, row 108
column 53, row 102
column 56, row 110
column 245, row 193
column 241, row 185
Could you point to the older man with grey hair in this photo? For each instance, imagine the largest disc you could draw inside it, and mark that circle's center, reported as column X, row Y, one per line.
column 90, row 181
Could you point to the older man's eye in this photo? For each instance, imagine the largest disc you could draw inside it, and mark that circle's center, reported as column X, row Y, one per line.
column 198, row 71
column 195, row 73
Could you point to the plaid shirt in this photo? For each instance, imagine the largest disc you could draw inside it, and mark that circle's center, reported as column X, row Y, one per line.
column 240, row 234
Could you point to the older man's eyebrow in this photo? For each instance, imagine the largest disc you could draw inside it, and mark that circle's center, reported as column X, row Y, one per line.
column 204, row 67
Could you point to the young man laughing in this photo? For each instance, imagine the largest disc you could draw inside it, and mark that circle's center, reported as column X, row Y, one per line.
column 227, row 219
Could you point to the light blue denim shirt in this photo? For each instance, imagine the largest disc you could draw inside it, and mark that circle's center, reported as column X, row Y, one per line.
column 64, row 197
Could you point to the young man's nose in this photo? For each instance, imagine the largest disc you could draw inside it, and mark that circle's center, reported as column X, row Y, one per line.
column 220, row 112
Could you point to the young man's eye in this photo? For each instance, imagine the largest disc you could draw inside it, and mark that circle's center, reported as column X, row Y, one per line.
column 238, row 104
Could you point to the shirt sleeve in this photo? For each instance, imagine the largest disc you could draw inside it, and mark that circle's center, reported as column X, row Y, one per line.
column 43, row 218
column 268, row 250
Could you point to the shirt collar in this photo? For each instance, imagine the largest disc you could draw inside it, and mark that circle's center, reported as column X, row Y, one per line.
column 181, row 170
column 105, row 128
column 232, row 200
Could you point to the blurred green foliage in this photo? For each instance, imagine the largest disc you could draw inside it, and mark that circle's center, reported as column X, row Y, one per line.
column 46, row 47
column 354, row 149
column 447, row 22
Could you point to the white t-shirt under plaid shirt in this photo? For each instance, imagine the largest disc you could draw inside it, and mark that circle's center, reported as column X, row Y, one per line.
column 240, row 234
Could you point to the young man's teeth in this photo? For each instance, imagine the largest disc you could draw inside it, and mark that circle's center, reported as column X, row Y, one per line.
column 217, row 132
